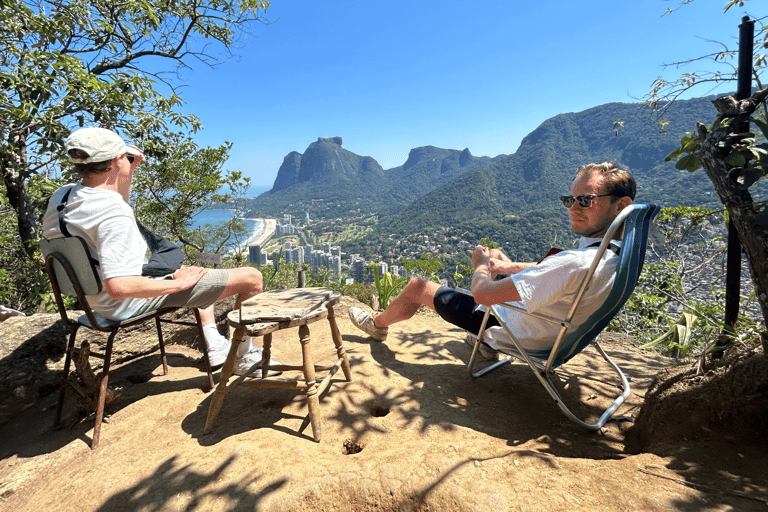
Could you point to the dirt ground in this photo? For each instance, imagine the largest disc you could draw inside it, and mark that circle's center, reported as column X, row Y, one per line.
column 432, row 439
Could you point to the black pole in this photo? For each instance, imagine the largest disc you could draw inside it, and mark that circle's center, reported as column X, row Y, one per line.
column 744, row 91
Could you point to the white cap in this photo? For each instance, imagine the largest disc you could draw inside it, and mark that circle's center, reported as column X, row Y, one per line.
column 100, row 144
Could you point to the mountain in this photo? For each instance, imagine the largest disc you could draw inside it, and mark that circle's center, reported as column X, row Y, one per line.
column 544, row 165
column 329, row 179
column 326, row 163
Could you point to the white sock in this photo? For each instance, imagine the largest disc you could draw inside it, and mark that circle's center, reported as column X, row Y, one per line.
column 245, row 346
column 213, row 338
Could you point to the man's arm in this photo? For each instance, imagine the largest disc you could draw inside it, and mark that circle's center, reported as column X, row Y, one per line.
column 485, row 290
column 501, row 265
column 138, row 287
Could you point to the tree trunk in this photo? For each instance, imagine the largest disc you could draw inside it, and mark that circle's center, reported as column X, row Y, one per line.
column 745, row 214
column 12, row 169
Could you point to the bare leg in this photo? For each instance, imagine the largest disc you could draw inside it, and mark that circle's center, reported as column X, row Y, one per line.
column 418, row 292
column 245, row 282
column 207, row 316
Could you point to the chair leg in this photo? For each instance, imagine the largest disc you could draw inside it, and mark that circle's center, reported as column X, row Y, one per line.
column 65, row 374
column 162, row 345
column 549, row 385
column 204, row 349
column 103, row 392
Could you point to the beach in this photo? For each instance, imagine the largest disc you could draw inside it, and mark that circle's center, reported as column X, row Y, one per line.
column 268, row 230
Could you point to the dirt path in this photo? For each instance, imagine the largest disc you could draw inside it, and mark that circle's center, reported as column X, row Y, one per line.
column 431, row 438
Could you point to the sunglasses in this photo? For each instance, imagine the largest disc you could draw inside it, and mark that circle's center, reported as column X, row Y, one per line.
column 584, row 201
column 130, row 158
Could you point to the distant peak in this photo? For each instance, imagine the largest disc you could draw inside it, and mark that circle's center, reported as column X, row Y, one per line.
column 333, row 140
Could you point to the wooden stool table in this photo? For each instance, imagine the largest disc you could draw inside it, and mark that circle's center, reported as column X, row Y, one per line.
column 271, row 311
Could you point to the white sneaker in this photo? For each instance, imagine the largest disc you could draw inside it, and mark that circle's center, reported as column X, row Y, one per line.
column 363, row 320
column 217, row 356
column 485, row 351
column 250, row 358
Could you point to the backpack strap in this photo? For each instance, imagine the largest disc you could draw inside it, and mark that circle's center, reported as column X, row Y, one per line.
column 611, row 246
column 60, row 209
column 63, row 225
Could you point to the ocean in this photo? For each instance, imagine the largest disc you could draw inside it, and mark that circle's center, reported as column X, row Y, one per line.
column 216, row 217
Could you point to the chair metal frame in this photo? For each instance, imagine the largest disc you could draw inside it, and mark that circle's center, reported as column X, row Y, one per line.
column 80, row 279
column 571, row 340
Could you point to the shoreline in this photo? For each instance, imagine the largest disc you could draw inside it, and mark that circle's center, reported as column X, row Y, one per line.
column 267, row 232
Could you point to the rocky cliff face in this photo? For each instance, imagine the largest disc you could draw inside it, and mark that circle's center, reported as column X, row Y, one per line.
column 326, row 162
column 288, row 174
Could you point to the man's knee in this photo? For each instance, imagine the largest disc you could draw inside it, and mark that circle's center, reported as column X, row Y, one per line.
column 416, row 284
column 421, row 290
column 246, row 280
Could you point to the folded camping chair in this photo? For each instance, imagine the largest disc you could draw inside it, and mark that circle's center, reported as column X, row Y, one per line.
column 571, row 340
column 69, row 267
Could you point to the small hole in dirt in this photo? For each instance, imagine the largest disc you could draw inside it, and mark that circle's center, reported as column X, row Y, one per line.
column 379, row 410
column 352, row 447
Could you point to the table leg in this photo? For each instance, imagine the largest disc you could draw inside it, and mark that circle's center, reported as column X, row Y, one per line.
column 217, row 400
column 266, row 354
column 313, row 403
column 341, row 353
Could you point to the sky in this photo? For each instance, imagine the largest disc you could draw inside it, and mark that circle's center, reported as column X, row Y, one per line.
column 391, row 76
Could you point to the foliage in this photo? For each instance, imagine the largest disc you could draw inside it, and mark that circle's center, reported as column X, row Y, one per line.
column 23, row 282
column 426, row 267
column 87, row 62
column 286, row 275
column 733, row 157
column 178, row 181
column 678, row 305
column 65, row 65
column 387, row 286
column 678, row 337
column 360, row 292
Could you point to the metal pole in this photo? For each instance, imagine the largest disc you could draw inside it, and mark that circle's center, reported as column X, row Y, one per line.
column 733, row 265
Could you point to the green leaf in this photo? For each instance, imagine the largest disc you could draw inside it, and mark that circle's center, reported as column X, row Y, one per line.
column 747, row 178
column 675, row 154
column 762, row 125
column 736, row 159
column 688, row 163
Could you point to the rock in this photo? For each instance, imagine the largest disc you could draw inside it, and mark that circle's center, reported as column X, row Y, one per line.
column 32, row 351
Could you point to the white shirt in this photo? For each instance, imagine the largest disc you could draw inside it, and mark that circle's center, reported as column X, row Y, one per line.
column 107, row 224
column 549, row 288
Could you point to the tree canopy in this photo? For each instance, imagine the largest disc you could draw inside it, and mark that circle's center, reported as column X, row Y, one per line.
column 108, row 63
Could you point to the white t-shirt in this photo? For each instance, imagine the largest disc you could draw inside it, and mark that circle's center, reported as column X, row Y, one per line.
column 549, row 289
column 107, row 224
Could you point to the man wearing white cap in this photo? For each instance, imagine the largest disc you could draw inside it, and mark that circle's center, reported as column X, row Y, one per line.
column 97, row 210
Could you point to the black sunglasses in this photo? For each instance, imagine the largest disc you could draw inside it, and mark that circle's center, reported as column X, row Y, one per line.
column 130, row 158
column 584, row 201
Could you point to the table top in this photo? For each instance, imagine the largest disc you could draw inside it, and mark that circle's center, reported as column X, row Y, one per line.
column 285, row 305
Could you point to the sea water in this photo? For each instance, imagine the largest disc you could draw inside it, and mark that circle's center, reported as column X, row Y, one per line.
column 220, row 216
column 214, row 217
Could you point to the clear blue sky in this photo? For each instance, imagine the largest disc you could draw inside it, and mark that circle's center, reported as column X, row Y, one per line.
column 391, row 76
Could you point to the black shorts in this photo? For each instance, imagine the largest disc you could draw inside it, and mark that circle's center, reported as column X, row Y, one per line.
column 461, row 310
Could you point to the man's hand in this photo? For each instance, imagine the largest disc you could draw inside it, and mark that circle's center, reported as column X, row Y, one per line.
column 139, row 287
column 481, row 256
column 502, row 267
column 189, row 276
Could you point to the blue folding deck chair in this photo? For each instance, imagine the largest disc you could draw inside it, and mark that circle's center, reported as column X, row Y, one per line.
column 636, row 219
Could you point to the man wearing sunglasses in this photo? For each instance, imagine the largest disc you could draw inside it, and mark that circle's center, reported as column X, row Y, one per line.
column 97, row 210
column 598, row 193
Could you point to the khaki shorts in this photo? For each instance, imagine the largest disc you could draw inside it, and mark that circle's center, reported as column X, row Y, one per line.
column 203, row 294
